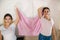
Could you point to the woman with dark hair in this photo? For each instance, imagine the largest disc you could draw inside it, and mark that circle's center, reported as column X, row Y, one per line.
column 8, row 27
column 47, row 28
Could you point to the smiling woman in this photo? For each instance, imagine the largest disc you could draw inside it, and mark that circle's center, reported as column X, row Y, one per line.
column 8, row 28
column 47, row 28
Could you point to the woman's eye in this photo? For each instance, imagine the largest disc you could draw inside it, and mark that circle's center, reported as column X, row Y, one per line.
column 5, row 19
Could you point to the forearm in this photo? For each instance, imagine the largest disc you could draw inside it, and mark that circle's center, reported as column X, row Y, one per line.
column 54, row 34
column 17, row 16
column 0, row 37
column 54, row 37
column 40, row 12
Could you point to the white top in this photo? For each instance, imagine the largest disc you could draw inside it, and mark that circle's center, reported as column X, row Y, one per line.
column 9, row 33
column 46, row 28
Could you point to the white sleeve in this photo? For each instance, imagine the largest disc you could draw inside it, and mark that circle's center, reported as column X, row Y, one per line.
column 52, row 22
column 0, row 28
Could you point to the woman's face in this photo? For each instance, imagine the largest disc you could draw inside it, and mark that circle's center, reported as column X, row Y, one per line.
column 8, row 20
column 46, row 12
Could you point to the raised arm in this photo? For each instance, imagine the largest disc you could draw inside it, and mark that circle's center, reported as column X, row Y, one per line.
column 53, row 33
column 40, row 12
column 17, row 16
column 0, row 36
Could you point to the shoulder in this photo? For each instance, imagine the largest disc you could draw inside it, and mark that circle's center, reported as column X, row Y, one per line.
column 1, row 27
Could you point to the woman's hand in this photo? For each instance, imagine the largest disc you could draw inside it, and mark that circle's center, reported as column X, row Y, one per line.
column 48, row 17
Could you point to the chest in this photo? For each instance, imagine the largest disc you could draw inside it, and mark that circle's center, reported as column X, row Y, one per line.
column 6, row 31
column 45, row 23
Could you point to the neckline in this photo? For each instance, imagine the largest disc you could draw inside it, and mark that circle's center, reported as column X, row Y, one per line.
column 47, row 19
column 7, row 27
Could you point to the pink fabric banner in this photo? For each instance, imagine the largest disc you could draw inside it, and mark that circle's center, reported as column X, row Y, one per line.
column 29, row 26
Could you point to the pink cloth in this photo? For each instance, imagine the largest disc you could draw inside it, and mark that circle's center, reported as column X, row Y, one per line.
column 29, row 26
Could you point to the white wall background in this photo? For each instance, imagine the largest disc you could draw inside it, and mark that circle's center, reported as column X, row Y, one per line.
column 29, row 8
